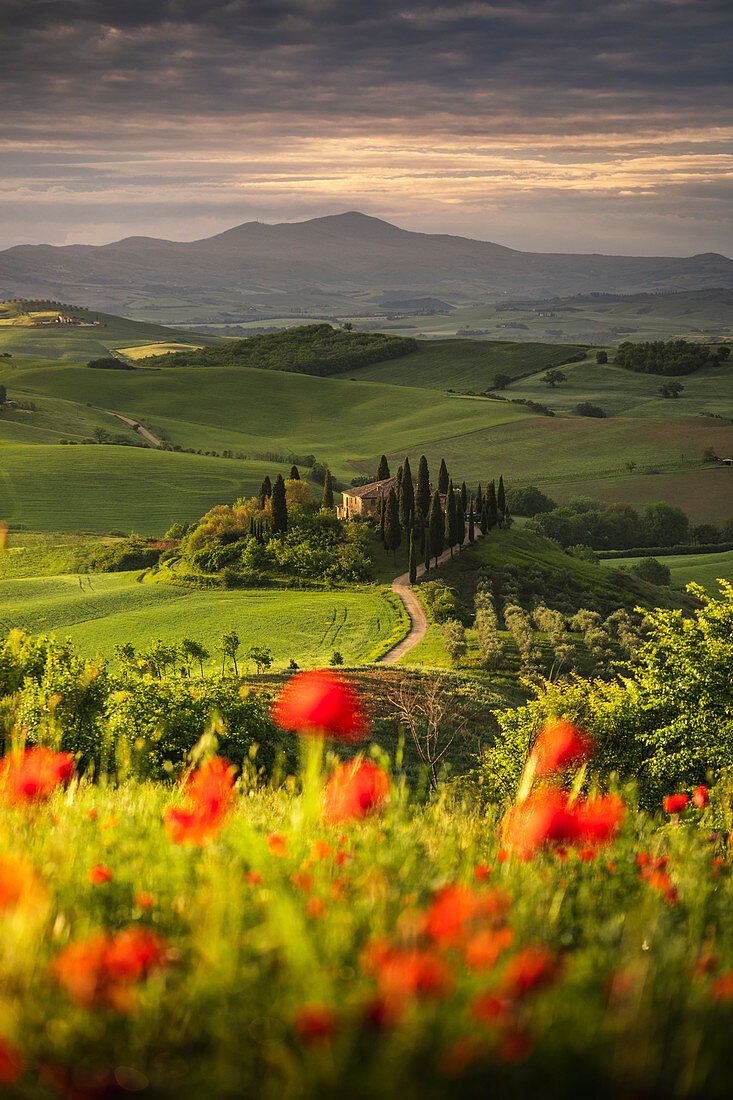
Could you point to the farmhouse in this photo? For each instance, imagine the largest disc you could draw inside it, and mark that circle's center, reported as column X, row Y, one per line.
column 362, row 500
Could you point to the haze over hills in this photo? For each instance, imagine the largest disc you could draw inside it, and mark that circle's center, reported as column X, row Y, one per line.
column 340, row 263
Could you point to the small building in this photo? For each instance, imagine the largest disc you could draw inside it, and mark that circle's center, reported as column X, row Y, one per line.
column 726, row 462
column 362, row 500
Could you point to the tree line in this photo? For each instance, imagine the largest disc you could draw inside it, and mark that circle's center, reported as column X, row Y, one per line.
column 672, row 357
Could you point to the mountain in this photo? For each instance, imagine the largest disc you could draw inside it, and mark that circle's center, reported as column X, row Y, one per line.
column 342, row 263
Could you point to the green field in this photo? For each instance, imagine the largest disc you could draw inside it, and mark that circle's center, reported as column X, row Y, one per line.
column 465, row 365
column 117, row 488
column 704, row 569
column 97, row 611
column 706, row 494
column 22, row 334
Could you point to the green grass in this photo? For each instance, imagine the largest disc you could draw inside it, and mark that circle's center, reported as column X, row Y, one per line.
column 24, row 339
column 97, row 611
column 465, row 365
column 706, row 495
column 100, row 488
column 704, row 569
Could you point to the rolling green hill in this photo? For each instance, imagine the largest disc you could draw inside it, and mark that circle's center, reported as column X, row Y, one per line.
column 98, row 611
column 26, row 333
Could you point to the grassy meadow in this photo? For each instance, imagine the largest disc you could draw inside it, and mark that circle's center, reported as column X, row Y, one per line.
column 99, row 610
column 704, row 569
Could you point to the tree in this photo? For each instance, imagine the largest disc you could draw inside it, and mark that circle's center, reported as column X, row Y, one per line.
column 294, row 473
column 492, row 510
column 449, row 526
column 392, row 533
column 265, row 491
column 3, row 394
column 412, row 563
column 436, row 522
column 460, row 522
column 601, row 357
column 471, row 528
column 501, row 381
column 671, row 389
column 422, row 496
column 464, row 498
column 528, row 500
column 443, row 478
column 193, row 651
column 261, row 656
column 407, row 498
column 454, row 639
column 382, row 506
column 664, row 525
column 553, row 378
column 383, row 471
column 279, row 507
column 228, row 646
column 328, row 491
column 501, row 500
column 479, row 500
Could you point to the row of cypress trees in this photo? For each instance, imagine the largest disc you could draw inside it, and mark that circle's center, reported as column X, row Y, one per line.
column 278, row 506
column 419, row 515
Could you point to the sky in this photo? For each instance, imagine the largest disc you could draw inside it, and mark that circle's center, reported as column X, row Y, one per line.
column 544, row 125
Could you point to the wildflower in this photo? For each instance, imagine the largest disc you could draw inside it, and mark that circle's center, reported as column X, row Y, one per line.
column 254, row 878
column 483, row 949
column 319, row 703
column 598, row 819
column 314, row 907
column 412, row 973
column 19, row 884
column 315, row 1023
column 100, row 874
column 144, row 900
column 700, row 797
column 320, row 849
column 463, row 1053
column 540, row 818
column 277, row 843
column 530, row 969
column 675, row 803
column 102, row 970
column 354, row 790
column 450, row 910
column 490, row 1008
column 559, row 744
column 722, row 987
column 33, row 775
column 209, row 793
column 11, row 1062
column 481, row 871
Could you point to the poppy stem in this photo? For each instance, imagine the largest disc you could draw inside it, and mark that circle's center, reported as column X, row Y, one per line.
column 312, row 765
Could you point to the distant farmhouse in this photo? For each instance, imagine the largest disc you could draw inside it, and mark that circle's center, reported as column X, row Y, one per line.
column 362, row 500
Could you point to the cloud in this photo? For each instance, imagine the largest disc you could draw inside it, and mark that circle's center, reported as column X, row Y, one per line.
column 292, row 104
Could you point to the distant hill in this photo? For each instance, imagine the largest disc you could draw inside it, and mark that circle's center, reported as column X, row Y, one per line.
column 333, row 263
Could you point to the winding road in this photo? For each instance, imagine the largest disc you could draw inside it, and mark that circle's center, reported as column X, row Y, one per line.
column 418, row 619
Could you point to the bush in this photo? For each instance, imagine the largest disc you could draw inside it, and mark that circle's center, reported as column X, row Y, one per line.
column 651, row 570
column 585, row 408
column 528, row 500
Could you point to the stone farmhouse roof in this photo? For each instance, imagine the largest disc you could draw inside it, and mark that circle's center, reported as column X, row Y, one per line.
column 373, row 490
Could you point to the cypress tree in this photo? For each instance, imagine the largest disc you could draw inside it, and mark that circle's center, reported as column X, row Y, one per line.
column 485, row 521
column 464, row 498
column 501, row 499
column 265, row 491
column 471, row 528
column 422, row 497
column 460, row 521
column 382, row 514
column 479, row 500
column 443, row 478
column 421, row 536
column 279, row 507
column 449, row 524
column 436, row 521
column 392, row 533
column 412, row 566
column 427, row 555
column 491, row 505
column 328, row 491
column 383, row 471
column 294, row 473
column 407, row 498
column 398, row 490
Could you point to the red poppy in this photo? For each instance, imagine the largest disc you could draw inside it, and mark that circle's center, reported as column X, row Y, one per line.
column 483, row 949
column 559, row 744
column 599, row 818
column 144, row 900
column 314, row 1023
column 354, row 790
column 209, row 793
column 675, row 803
column 407, row 973
column 531, row 968
column 700, row 796
column 490, row 1008
column 19, row 884
column 320, row 849
column 320, row 703
column 102, row 970
column 722, row 987
column 540, row 818
column 11, row 1062
column 449, row 912
column 277, row 843
column 33, row 775
column 100, row 874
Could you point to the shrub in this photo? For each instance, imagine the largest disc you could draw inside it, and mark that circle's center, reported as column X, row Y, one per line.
column 649, row 569
column 586, row 408
column 528, row 500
